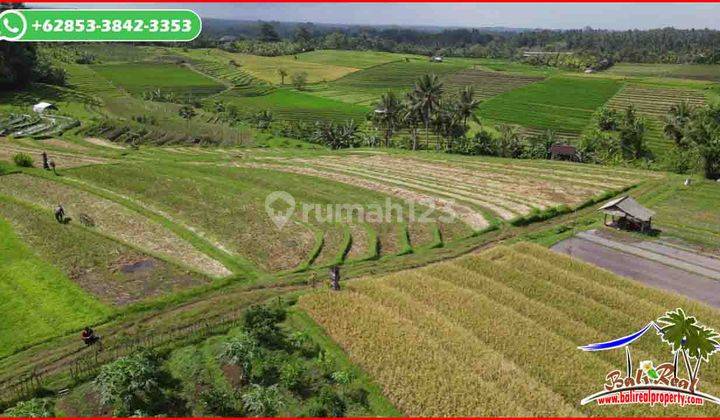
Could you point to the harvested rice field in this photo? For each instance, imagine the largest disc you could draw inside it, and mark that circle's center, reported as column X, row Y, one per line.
column 477, row 191
column 475, row 331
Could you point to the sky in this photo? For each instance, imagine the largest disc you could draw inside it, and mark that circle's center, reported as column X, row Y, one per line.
column 618, row 16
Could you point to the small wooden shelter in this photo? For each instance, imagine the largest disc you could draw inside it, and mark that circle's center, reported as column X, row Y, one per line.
column 563, row 152
column 626, row 213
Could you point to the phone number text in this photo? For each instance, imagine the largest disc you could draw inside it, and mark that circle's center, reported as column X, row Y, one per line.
column 113, row 25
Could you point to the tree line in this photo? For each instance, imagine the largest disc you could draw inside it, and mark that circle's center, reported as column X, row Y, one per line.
column 665, row 45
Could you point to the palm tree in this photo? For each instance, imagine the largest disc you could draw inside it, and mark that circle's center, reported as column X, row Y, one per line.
column 283, row 74
column 676, row 120
column 466, row 105
column 426, row 93
column 411, row 118
column 688, row 338
column 387, row 114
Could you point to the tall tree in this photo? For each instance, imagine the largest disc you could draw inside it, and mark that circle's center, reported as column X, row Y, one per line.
column 676, row 121
column 703, row 131
column 387, row 115
column 17, row 59
column 283, row 74
column 411, row 118
column 466, row 105
column 268, row 33
column 426, row 98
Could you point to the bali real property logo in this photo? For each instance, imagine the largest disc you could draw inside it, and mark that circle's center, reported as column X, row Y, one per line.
column 673, row 382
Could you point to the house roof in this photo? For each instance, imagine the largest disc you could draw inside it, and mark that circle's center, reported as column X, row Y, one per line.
column 563, row 149
column 42, row 106
column 627, row 206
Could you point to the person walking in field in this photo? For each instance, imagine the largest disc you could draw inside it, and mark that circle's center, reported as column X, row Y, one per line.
column 46, row 165
column 52, row 166
column 60, row 213
column 335, row 277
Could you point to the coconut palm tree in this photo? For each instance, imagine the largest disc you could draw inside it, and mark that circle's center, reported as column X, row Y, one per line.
column 675, row 122
column 466, row 105
column 283, row 74
column 688, row 338
column 411, row 118
column 426, row 94
column 387, row 115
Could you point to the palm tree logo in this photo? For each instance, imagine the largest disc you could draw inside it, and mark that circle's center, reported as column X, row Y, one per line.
column 689, row 339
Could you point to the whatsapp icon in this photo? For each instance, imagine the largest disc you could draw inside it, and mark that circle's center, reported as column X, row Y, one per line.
column 13, row 25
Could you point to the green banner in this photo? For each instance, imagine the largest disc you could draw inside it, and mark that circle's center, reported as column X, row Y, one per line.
column 65, row 25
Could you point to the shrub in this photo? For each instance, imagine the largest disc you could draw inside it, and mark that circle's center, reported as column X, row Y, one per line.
column 261, row 323
column 265, row 369
column 23, row 160
column 327, row 404
column 358, row 396
column 299, row 80
column 342, row 377
column 241, row 350
column 217, row 403
column 37, row 407
column 262, row 401
column 132, row 383
column 293, row 376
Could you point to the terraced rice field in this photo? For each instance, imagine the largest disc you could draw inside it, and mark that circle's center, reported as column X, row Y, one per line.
column 497, row 334
column 352, row 59
column 242, row 82
column 114, row 273
column 366, row 86
column 38, row 300
column 111, row 219
column 477, row 192
column 266, row 68
column 709, row 72
column 138, row 78
column 487, row 84
column 63, row 160
column 291, row 105
column 560, row 103
column 652, row 101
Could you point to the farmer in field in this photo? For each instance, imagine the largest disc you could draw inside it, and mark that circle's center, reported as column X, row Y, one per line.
column 60, row 213
column 52, row 166
column 335, row 277
column 89, row 337
column 46, row 166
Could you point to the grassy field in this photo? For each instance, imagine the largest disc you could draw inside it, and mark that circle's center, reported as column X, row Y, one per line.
column 365, row 87
column 266, row 68
column 352, row 59
column 39, row 300
column 292, row 105
column 689, row 213
column 482, row 325
column 681, row 71
column 562, row 103
column 138, row 78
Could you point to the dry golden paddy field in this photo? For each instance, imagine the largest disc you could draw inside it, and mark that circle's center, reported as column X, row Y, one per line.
column 497, row 334
column 478, row 191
